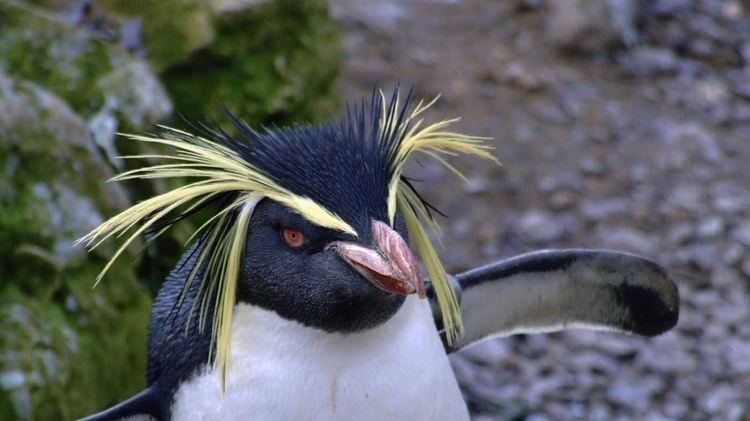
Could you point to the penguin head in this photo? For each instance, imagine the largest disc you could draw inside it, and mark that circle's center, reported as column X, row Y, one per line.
column 324, row 278
column 338, row 278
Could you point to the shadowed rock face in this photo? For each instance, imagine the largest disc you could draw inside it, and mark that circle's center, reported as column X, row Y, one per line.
column 63, row 95
column 69, row 80
column 55, row 332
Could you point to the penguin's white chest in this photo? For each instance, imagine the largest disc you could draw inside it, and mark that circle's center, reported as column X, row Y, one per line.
column 282, row 370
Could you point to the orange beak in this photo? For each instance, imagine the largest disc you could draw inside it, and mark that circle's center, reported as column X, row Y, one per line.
column 389, row 264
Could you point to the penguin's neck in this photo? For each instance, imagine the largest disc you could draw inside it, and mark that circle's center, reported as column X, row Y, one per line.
column 281, row 369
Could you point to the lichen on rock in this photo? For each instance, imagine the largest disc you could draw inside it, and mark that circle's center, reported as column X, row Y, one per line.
column 66, row 89
column 56, row 333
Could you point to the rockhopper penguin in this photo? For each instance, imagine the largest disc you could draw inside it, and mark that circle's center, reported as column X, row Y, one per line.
column 300, row 298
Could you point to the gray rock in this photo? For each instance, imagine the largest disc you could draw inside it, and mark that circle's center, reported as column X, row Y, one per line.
column 729, row 204
column 477, row 185
column 540, row 227
column 591, row 26
column 648, row 61
column 463, row 369
column 634, row 392
column 628, row 239
column 382, row 16
column 591, row 166
column 588, row 360
column 602, row 209
column 737, row 355
column 562, row 200
column 551, row 113
column 519, row 75
column 680, row 233
column 741, row 233
column 135, row 93
column 667, row 354
column 706, row 298
column 693, row 138
column 704, row 255
column 718, row 399
column 676, row 408
column 710, row 92
column 233, row 6
column 562, row 181
column 686, row 197
column 617, row 345
column 490, row 352
column 733, row 254
column 710, row 227
column 737, row 411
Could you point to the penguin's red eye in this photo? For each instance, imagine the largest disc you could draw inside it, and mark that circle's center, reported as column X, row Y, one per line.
column 293, row 237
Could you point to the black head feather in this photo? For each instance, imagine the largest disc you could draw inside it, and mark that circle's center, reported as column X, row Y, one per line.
column 345, row 165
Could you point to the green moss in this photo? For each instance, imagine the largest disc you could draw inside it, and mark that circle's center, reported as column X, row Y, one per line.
column 64, row 59
column 57, row 335
column 271, row 63
column 91, row 75
column 68, row 341
column 172, row 29
column 62, row 343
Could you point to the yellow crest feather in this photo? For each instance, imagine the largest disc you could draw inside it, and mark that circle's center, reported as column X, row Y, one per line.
column 436, row 142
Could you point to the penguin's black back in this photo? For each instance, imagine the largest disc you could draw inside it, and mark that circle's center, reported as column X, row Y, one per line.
column 176, row 349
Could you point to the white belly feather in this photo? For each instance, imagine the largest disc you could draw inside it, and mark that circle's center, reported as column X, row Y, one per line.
column 282, row 370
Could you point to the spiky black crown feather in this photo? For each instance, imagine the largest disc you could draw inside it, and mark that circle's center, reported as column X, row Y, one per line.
column 345, row 165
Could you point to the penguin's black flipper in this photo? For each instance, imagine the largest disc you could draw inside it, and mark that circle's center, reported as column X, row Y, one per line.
column 553, row 290
column 145, row 406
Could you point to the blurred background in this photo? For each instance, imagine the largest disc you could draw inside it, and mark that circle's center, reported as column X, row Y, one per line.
column 621, row 124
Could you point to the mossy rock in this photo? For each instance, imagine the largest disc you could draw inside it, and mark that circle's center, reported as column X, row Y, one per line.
column 64, row 59
column 172, row 29
column 62, row 342
column 92, row 75
column 111, row 90
column 272, row 62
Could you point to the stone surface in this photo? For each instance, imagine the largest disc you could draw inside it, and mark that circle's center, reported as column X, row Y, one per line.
column 56, row 333
column 96, row 78
column 590, row 26
column 73, row 74
column 639, row 147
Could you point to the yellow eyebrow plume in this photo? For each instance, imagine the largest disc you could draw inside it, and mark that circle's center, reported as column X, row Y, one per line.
column 435, row 141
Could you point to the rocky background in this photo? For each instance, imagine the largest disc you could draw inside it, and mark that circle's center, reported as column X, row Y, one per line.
column 73, row 74
column 621, row 124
